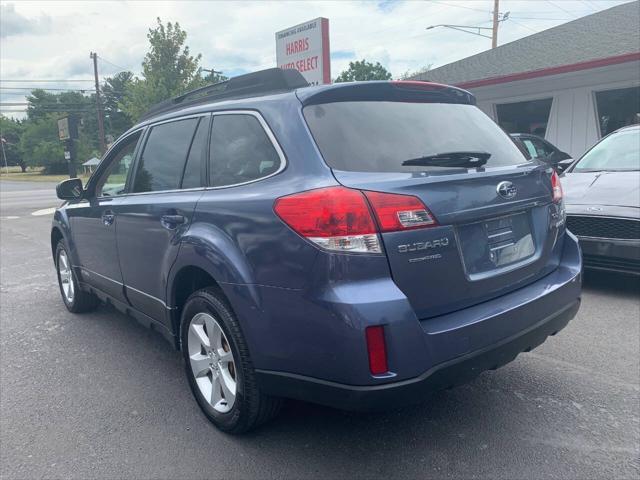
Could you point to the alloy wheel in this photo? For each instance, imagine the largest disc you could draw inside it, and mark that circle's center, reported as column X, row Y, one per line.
column 66, row 276
column 212, row 362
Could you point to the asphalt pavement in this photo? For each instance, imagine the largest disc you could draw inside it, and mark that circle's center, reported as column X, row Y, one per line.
column 98, row 396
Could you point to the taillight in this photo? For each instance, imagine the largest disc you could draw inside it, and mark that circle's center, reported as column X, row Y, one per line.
column 335, row 218
column 341, row 219
column 556, row 187
column 399, row 212
column 377, row 350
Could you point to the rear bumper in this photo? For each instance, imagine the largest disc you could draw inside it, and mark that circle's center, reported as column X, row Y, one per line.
column 448, row 374
column 424, row 355
column 613, row 255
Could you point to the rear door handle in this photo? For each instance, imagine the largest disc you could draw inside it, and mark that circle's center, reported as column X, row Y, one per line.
column 172, row 221
column 108, row 217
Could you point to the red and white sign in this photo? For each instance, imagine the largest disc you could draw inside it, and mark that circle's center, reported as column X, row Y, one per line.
column 305, row 48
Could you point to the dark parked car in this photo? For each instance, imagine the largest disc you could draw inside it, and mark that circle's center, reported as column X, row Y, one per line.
column 602, row 194
column 535, row 147
column 343, row 244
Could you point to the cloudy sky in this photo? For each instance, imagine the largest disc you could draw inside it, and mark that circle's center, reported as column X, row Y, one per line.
column 52, row 40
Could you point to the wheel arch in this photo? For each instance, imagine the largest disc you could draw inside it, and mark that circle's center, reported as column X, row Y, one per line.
column 209, row 258
column 56, row 236
column 187, row 280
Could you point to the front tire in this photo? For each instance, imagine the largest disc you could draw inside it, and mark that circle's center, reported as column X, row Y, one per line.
column 218, row 365
column 75, row 299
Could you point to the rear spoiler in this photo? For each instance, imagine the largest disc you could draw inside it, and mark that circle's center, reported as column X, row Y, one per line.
column 394, row 91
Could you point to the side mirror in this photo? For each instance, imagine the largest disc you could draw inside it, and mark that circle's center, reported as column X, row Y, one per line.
column 562, row 165
column 69, row 189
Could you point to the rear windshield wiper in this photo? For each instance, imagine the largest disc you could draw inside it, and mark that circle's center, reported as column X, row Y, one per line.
column 450, row 159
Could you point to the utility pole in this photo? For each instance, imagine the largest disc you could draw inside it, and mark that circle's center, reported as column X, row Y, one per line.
column 103, row 145
column 496, row 22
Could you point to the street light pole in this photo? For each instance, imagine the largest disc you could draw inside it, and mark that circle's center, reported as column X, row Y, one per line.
column 464, row 28
column 496, row 22
column 474, row 30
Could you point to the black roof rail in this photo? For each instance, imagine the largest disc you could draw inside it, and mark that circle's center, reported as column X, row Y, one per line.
column 271, row 80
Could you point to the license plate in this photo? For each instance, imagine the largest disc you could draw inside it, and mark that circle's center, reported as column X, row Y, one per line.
column 496, row 243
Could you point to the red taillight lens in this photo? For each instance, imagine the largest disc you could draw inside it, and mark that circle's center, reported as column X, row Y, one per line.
column 335, row 218
column 399, row 212
column 556, row 186
column 377, row 350
column 340, row 218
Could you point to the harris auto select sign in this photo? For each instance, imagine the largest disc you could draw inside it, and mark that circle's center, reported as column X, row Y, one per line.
column 305, row 48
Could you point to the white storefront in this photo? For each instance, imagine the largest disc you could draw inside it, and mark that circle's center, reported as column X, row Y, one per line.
column 571, row 84
column 580, row 110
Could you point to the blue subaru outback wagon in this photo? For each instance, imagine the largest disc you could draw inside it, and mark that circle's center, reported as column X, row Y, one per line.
column 357, row 245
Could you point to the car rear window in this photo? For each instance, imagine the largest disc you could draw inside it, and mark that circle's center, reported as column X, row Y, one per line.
column 374, row 136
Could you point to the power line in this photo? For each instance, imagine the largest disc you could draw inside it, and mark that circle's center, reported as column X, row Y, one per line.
column 76, row 106
column 42, row 81
column 114, row 64
column 560, row 8
column 524, row 26
column 56, row 105
column 594, row 3
column 46, row 111
column 460, row 6
column 540, row 18
column 47, row 89
column 589, row 6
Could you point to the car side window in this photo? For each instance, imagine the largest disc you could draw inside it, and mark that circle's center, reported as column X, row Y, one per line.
column 163, row 159
column 531, row 148
column 542, row 148
column 240, row 151
column 191, row 177
column 114, row 180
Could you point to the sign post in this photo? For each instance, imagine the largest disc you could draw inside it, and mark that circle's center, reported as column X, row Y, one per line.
column 305, row 48
column 68, row 133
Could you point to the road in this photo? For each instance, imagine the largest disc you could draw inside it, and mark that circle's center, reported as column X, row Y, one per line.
column 98, row 396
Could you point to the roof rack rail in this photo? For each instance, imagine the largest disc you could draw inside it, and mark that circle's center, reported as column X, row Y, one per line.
column 270, row 80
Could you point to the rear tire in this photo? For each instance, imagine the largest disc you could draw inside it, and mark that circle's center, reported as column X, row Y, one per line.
column 75, row 299
column 218, row 365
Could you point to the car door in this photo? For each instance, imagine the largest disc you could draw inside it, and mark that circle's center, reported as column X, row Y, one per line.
column 153, row 217
column 92, row 220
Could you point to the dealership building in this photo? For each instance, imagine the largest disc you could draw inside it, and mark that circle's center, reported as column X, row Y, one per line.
column 571, row 84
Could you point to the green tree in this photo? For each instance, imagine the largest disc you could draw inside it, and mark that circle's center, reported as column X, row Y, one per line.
column 409, row 73
column 41, row 103
column 44, row 110
column 363, row 70
column 113, row 94
column 10, row 134
column 211, row 78
column 168, row 70
column 40, row 146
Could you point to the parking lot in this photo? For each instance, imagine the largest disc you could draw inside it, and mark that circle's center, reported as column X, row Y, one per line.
column 98, row 396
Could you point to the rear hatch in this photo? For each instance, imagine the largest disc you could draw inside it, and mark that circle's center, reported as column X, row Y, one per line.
column 496, row 224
